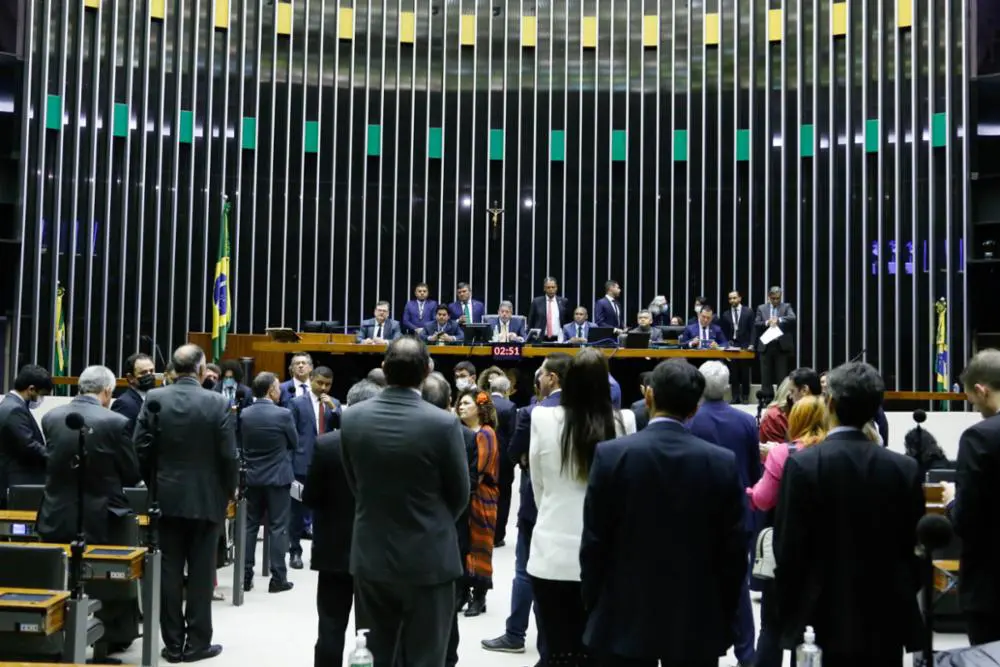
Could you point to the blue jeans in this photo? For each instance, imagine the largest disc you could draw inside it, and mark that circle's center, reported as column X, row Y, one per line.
column 521, row 597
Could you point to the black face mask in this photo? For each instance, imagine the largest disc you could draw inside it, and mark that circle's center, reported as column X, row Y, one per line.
column 208, row 383
column 146, row 382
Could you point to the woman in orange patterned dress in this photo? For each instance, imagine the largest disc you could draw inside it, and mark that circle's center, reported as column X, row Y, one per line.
column 476, row 411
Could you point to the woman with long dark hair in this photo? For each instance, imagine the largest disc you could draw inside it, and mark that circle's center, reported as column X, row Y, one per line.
column 563, row 441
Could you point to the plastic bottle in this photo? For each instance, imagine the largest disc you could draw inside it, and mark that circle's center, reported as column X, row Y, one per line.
column 807, row 654
column 361, row 656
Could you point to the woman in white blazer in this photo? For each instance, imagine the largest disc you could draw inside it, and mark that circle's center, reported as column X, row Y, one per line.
column 563, row 440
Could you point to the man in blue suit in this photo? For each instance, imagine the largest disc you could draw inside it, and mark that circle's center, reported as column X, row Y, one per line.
column 465, row 309
column 721, row 424
column 269, row 442
column 608, row 310
column 664, row 548
column 704, row 334
column 576, row 331
column 418, row 313
column 507, row 329
column 550, row 377
column 443, row 330
column 314, row 414
column 380, row 329
column 140, row 372
column 300, row 368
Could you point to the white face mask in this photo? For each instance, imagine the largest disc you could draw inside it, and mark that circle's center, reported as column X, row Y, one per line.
column 33, row 405
column 463, row 383
column 697, row 309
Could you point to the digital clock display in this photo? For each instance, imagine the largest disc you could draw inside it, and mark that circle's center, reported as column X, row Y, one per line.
column 506, row 351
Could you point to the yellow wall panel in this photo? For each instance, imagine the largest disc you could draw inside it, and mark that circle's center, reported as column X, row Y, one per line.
column 589, row 32
column 529, row 31
column 283, row 25
column 407, row 27
column 222, row 14
column 904, row 13
column 157, row 10
column 839, row 18
column 650, row 31
column 467, row 30
column 775, row 24
column 345, row 23
column 712, row 29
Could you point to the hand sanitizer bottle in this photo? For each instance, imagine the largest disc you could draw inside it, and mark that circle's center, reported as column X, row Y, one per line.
column 361, row 656
column 807, row 654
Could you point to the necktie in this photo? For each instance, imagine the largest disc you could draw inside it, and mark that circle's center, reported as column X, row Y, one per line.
column 618, row 315
column 321, row 426
column 420, row 311
column 579, row 331
column 378, row 332
column 704, row 333
column 303, row 388
column 468, row 314
column 772, row 312
column 550, row 324
column 504, row 331
column 736, row 318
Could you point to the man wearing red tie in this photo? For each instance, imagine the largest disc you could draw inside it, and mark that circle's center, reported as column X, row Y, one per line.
column 550, row 312
column 314, row 414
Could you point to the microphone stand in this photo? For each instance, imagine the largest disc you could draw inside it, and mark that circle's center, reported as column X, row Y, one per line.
column 240, row 519
column 79, row 545
column 152, row 565
column 78, row 608
column 153, row 512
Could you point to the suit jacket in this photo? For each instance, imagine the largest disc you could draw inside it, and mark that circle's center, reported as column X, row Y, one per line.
column 839, row 500
column 289, row 391
column 616, row 392
column 605, row 314
column 694, row 331
column 128, row 405
column 307, row 429
column 506, row 421
column 786, row 322
column 269, row 442
column 538, row 317
column 655, row 333
column 515, row 326
column 478, row 311
column 247, row 394
column 641, row 414
column 974, row 515
column 882, row 426
column 111, row 464
column 23, row 454
column 198, row 464
column 406, row 463
column 327, row 494
column 411, row 315
column 520, row 443
column 390, row 330
column 742, row 336
column 451, row 328
column 569, row 330
column 673, row 597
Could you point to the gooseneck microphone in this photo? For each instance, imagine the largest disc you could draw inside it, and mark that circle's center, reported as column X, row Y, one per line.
column 241, row 396
column 153, row 407
column 76, row 422
column 933, row 532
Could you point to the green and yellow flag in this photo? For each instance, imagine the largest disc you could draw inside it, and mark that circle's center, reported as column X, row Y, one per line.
column 220, row 289
column 941, row 349
column 59, row 367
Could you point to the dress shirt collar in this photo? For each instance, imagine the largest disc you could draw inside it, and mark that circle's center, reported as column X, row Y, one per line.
column 664, row 420
column 843, row 429
column 17, row 396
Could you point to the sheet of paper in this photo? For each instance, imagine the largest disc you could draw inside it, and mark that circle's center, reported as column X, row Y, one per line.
column 772, row 334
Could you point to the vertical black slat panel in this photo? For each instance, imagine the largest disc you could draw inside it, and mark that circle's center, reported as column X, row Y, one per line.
column 288, row 145
column 77, row 104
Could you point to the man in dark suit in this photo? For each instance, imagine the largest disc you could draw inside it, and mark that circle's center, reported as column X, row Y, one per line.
column 738, row 324
column 550, row 312
column 140, row 372
column 419, row 311
column 664, row 549
column 837, row 498
column 22, row 448
column 644, row 320
column 775, row 356
column 300, row 369
column 269, row 442
column 231, row 384
column 735, row 430
column 443, row 330
column 977, row 502
column 506, row 416
column 314, row 414
column 198, row 470
column 608, row 310
column 329, row 497
column 465, row 309
column 406, row 463
column 111, row 465
column 507, row 329
column 639, row 407
column 705, row 333
column 549, row 381
column 576, row 331
column 380, row 329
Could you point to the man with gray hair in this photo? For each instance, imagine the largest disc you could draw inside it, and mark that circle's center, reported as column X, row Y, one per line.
column 111, row 465
column 723, row 425
column 507, row 329
column 329, row 497
column 776, row 321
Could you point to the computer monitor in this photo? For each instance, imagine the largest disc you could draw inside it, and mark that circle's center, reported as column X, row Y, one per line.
column 672, row 333
column 477, row 333
column 601, row 335
column 637, row 340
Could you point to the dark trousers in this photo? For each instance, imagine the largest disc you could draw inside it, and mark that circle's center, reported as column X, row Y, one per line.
column 774, row 367
column 744, row 633
column 739, row 378
column 405, row 620
column 274, row 503
column 769, row 652
column 560, row 606
column 506, row 491
column 297, row 525
column 187, row 625
column 615, row 661
column 983, row 627
column 521, row 596
column 334, row 596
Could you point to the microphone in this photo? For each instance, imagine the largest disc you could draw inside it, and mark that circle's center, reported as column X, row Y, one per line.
column 919, row 416
column 153, row 406
column 858, row 356
column 934, row 532
column 156, row 348
column 75, row 422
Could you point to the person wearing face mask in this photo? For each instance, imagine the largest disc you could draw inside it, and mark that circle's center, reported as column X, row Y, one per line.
column 111, row 466
column 232, row 384
column 140, row 373
column 212, row 375
column 465, row 376
column 22, row 446
column 700, row 303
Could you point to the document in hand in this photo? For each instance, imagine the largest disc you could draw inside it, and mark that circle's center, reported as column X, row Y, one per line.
column 772, row 334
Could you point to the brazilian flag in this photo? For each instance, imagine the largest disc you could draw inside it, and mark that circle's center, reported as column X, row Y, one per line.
column 59, row 341
column 941, row 370
column 221, row 317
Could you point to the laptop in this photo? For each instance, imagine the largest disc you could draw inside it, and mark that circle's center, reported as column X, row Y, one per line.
column 601, row 335
column 637, row 340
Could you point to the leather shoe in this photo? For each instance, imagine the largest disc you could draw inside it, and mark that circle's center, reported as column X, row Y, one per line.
column 204, row 654
column 499, row 543
column 172, row 655
column 295, row 562
column 279, row 586
column 248, row 585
